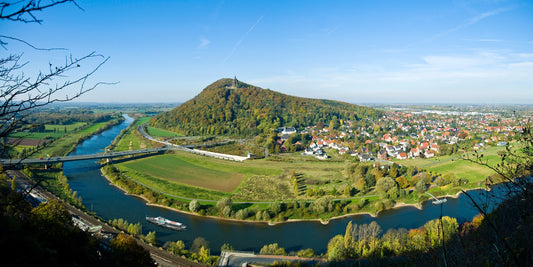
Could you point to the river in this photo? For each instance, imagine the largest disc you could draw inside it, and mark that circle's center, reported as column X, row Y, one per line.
column 109, row 202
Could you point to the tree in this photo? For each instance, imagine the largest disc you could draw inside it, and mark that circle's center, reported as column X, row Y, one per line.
column 151, row 238
column 421, row 186
column 334, row 123
column 385, row 184
column 242, row 214
column 275, row 208
column 516, row 164
column 226, row 211
column 14, row 184
column 129, row 253
column 402, row 182
column 224, row 202
column 203, row 255
column 336, row 249
column 176, row 247
column 370, row 179
column 393, row 170
column 194, row 205
column 348, row 239
column 54, row 83
column 272, row 249
column 198, row 243
column 226, row 247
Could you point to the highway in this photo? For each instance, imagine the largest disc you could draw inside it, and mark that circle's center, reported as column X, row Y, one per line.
column 162, row 257
column 52, row 160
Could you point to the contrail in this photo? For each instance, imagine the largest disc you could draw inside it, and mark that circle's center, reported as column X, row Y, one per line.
column 242, row 38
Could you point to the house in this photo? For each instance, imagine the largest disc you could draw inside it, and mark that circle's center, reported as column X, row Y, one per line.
column 429, row 154
column 414, row 152
column 402, row 155
column 364, row 157
column 424, row 146
column 320, row 154
column 308, row 152
column 323, row 156
column 313, row 145
column 502, row 143
column 382, row 154
column 288, row 130
column 435, row 147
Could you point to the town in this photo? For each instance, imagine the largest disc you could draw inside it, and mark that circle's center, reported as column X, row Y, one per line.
column 406, row 133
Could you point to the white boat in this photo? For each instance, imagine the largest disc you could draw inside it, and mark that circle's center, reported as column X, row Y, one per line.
column 166, row 223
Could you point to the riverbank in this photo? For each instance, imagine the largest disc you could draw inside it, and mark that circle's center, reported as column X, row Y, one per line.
column 274, row 222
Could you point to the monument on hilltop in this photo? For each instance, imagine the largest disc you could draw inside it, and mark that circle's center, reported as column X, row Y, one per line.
column 234, row 83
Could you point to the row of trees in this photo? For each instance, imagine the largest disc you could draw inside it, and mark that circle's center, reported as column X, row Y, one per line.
column 366, row 240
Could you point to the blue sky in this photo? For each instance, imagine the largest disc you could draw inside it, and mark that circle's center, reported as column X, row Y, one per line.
column 354, row 51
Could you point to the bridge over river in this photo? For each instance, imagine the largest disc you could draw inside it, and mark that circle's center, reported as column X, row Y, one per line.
column 52, row 160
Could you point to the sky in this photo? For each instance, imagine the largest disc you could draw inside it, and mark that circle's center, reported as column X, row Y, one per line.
column 477, row 52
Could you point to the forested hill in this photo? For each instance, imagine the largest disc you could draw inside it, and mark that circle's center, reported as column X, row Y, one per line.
column 249, row 110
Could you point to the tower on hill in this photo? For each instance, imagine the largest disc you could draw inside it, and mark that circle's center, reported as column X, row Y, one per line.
column 234, row 83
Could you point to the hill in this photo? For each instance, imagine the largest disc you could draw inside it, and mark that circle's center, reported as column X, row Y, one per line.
column 246, row 110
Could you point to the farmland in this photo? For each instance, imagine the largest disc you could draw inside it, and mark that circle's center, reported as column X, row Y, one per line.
column 177, row 169
column 251, row 180
column 51, row 131
column 129, row 140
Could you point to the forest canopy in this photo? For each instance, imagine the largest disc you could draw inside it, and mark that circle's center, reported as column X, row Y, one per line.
column 249, row 110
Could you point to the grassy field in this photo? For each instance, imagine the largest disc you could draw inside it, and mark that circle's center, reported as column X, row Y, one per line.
column 256, row 180
column 174, row 168
column 454, row 165
column 64, row 145
column 156, row 132
column 129, row 141
column 59, row 131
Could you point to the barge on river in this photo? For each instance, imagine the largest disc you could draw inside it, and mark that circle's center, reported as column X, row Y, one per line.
column 166, row 223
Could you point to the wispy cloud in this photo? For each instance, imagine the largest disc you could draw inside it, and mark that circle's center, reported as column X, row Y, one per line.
column 204, row 43
column 485, row 40
column 471, row 22
column 242, row 38
column 437, row 77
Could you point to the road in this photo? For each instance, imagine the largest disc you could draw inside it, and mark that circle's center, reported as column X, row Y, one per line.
column 162, row 257
column 231, row 258
column 192, row 150
column 52, row 160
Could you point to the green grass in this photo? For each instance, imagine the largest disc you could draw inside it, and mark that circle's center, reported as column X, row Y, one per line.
column 142, row 120
column 262, row 180
column 61, row 128
column 175, row 169
column 20, row 148
column 60, row 131
column 37, row 136
column 129, row 141
column 454, row 165
column 63, row 146
column 156, row 132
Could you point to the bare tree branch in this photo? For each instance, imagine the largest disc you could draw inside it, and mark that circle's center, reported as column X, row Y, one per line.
column 4, row 44
column 23, row 11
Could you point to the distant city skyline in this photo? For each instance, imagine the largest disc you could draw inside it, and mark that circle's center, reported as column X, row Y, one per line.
column 477, row 52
